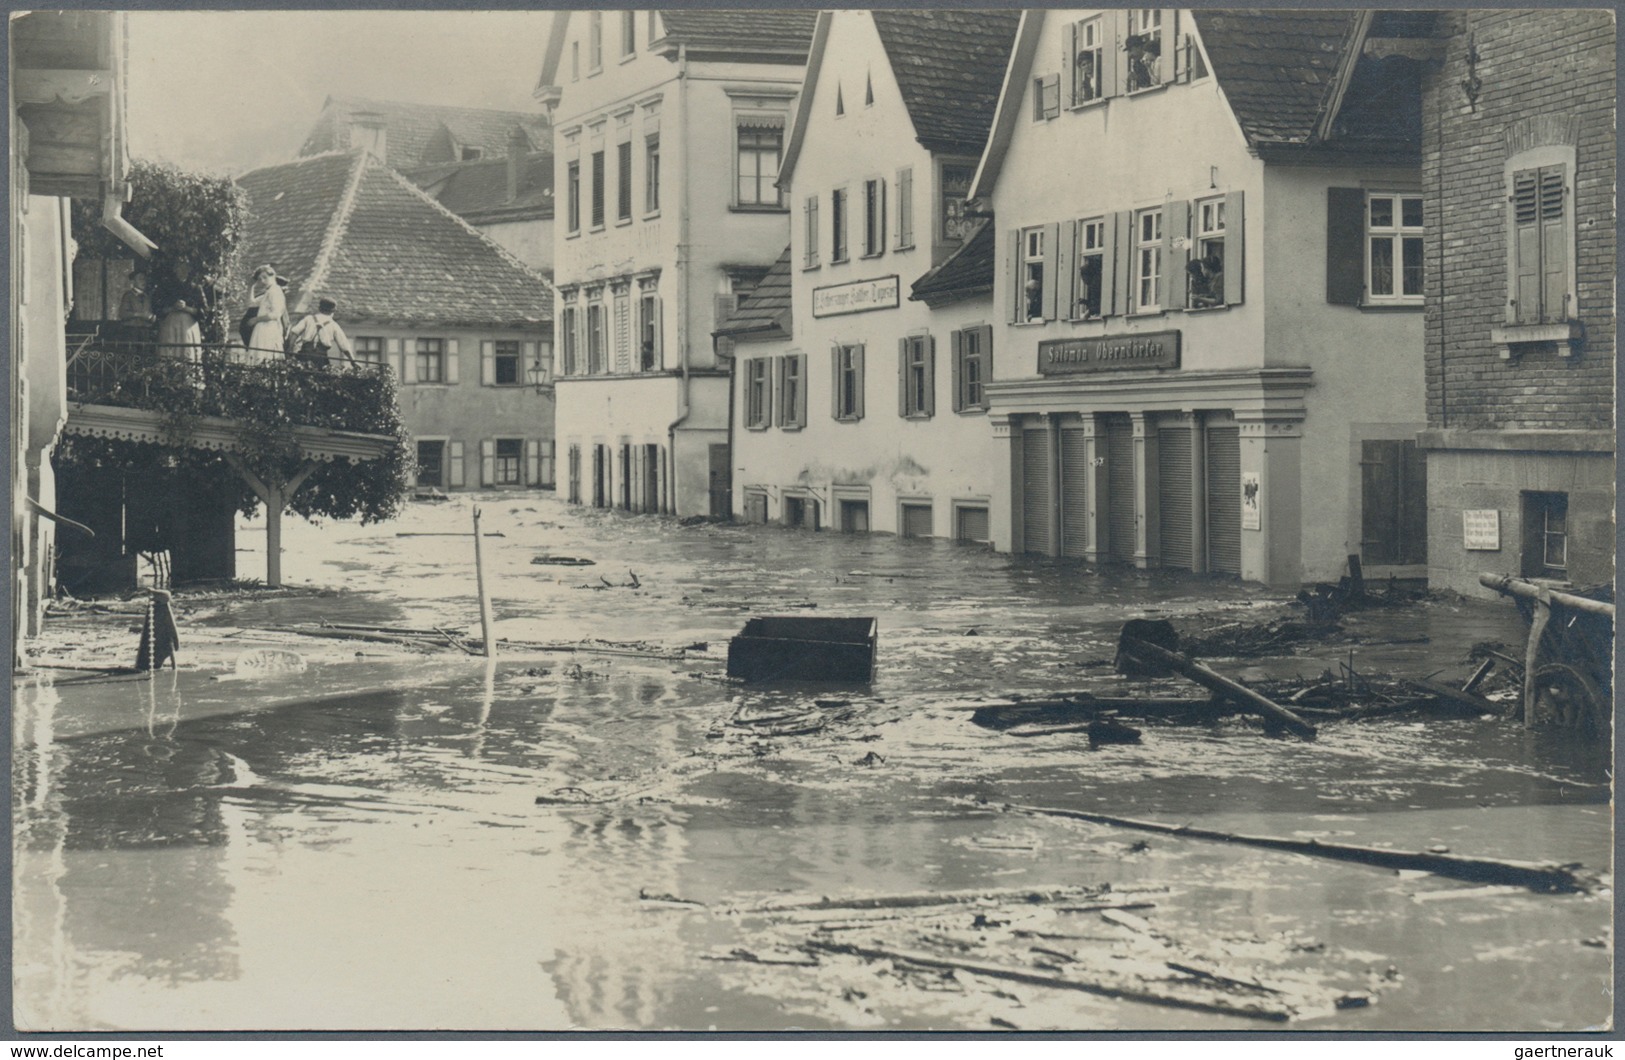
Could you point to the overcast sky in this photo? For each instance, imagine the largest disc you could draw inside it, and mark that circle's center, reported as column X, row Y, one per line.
column 228, row 91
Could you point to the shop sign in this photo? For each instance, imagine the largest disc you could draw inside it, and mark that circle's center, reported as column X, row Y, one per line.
column 857, row 297
column 1112, row 353
column 1481, row 529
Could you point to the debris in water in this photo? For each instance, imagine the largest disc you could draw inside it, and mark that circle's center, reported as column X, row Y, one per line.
column 545, row 560
column 265, row 661
column 793, row 648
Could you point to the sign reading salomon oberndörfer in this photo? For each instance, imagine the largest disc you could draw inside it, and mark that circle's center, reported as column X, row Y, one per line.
column 1156, row 349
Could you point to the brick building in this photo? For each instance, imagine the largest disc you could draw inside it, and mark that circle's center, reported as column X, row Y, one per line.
column 1519, row 162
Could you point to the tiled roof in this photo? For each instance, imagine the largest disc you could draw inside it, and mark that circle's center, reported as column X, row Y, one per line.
column 346, row 226
column 1276, row 67
column 965, row 273
column 741, row 29
column 478, row 191
column 421, row 134
column 950, row 66
column 766, row 309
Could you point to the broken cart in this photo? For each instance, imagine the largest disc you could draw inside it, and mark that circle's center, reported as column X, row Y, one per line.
column 1568, row 662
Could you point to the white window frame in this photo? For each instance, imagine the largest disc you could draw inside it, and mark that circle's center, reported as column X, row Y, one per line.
column 766, row 194
column 1394, row 236
column 498, row 354
column 597, row 345
column 840, row 248
column 1033, row 264
column 572, row 197
column 1146, row 22
column 595, row 42
column 648, row 351
column 368, row 353
column 429, row 347
column 1208, row 234
column 497, row 477
column 918, row 377
column 569, row 318
column 1091, row 38
column 1091, row 236
column 629, row 34
column 792, row 390
column 874, row 217
column 970, row 394
column 1146, row 279
column 848, row 367
column 445, row 460
column 758, row 394
column 651, row 174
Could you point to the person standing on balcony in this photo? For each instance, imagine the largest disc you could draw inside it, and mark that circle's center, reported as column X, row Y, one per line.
column 269, row 324
column 318, row 339
column 179, row 335
column 135, row 308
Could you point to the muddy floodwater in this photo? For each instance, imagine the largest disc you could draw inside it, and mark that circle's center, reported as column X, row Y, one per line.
column 615, row 838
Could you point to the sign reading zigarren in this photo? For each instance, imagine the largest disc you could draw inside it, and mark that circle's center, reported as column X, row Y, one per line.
column 1115, row 353
column 857, row 297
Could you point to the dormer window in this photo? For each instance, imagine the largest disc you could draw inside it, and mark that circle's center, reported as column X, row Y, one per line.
column 470, row 154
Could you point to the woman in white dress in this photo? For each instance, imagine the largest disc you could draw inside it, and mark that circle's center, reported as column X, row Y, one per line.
column 270, row 316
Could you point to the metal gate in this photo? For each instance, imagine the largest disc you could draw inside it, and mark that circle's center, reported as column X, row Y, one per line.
column 1074, row 493
column 916, row 520
column 1174, row 522
column 1035, row 491
column 1224, row 500
column 1120, row 488
column 973, row 525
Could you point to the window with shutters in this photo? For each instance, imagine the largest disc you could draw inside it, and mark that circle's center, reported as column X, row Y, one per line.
column 596, row 364
column 760, row 145
column 1393, row 249
column 917, row 373
column 757, row 394
column 623, row 181
column 568, row 322
column 510, row 457
column 651, row 174
column 793, row 390
column 598, row 189
column 1088, row 61
column 809, row 215
column 432, row 464
column 849, row 382
column 905, row 208
column 369, row 349
column 1147, row 273
column 837, row 225
column 1205, row 269
column 508, row 370
column 572, row 198
column 1046, row 97
column 1142, row 47
column 648, row 331
column 874, row 217
column 973, row 367
column 1091, row 257
column 431, row 361
column 1540, row 287
column 1033, row 274
column 573, row 459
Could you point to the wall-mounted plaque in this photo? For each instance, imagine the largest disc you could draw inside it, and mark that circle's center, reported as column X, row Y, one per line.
column 860, row 296
column 1112, row 353
column 1481, row 529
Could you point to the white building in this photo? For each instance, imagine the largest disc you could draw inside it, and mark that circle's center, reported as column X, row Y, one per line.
column 1210, row 296
column 669, row 132
column 861, row 366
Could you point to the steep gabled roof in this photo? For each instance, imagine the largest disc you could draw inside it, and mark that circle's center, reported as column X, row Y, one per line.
column 949, row 65
column 965, row 273
column 346, row 226
column 764, row 312
column 757, row 31
column 421, row 134
column 1276, row 67
column 478, row 191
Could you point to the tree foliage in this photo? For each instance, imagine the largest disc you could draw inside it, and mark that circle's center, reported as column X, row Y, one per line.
column 199, row 223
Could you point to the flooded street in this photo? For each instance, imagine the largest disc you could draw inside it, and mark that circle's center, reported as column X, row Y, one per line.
column 607, row 839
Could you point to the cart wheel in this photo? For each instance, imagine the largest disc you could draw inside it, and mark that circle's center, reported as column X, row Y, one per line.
column 1570, row 698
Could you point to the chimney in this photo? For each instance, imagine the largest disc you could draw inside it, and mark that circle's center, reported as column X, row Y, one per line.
column 367, row 133
column 518, row 148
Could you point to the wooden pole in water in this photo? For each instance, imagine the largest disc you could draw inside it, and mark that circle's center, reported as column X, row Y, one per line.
column 479, row 581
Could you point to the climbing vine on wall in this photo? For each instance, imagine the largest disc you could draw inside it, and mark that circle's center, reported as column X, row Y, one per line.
column 198, row 222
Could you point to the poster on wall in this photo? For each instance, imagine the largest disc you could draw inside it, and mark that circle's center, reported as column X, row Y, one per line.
column 1249, row 501
column 1481, row 529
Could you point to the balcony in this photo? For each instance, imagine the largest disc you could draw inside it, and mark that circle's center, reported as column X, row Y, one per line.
column 202, row 395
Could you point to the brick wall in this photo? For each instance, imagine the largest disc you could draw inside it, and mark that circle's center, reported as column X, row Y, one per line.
column 1558, row 62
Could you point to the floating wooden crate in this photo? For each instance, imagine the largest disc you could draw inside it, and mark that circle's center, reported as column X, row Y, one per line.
column 791, row 648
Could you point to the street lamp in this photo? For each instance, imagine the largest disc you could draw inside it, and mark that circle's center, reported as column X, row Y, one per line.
column 537, row 372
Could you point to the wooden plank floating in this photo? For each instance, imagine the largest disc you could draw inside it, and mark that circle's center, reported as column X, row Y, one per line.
column 1548, row 878
column 1215, row 682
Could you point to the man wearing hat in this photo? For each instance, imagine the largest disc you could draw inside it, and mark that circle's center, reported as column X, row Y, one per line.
column 318, row 339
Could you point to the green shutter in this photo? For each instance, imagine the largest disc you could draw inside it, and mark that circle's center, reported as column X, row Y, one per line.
column 1066, row 272
column 1012, row 269
column 1176, row 225
column 1052, row 242
column 1114, row 63
column 902, row 377
column 956, row 342
column 1554, row 257
column 1123, row 260
column 1235, row 258
column 1345, row 245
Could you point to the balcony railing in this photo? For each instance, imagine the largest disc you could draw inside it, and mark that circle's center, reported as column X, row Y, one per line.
column 229, row 381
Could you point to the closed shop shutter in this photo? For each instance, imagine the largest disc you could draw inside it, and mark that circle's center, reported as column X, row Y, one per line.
column 916, row 520
column 1074, row 493
column 1035, row 491
column 1174, row 496
column 973, row 525
column 1120, row 488
column 1224, row 500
